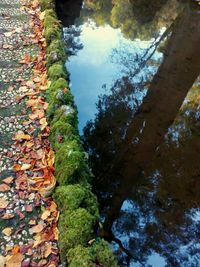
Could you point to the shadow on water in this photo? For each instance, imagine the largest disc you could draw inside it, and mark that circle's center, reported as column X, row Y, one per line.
column 143, row 143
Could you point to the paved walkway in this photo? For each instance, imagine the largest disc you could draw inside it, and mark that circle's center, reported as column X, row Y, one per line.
column 28, row 217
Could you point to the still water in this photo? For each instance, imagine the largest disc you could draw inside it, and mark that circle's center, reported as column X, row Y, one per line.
column 134, row 69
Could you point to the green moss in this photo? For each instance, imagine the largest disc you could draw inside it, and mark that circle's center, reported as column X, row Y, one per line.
column 56, row 45
column 76, row 228
column 70, row 163
column 64, row 116
column 103, row 254
column 59, row 95
column 62, row 133
column 46, row 4
column 50, row 19
column 99, row 253
column 52, row 33
column 72, row 197
column 80, row 256
column 56, row 71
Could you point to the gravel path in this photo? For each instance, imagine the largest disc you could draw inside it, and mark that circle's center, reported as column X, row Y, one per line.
column 28, row 217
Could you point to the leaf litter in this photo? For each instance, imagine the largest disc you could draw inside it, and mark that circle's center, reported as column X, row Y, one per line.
column 33, row 241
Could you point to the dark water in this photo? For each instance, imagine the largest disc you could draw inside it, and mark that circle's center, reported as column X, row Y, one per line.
column 135, row 69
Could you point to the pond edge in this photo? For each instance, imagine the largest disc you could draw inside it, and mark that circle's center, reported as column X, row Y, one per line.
column 79, row 214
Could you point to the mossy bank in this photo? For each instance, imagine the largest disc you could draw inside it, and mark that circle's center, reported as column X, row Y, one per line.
column 79, row 244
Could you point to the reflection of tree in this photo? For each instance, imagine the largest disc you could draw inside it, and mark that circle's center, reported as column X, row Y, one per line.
column 125, row 141
column 136, row 19
column 72, row 40
column 68, row 11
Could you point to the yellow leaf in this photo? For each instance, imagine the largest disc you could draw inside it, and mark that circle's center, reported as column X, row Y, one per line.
column 25, row 167
column 2, row 260
column 42, row 15
column 3, row 203
column 45, row 214
column 7, row 231
column 21, row 136
column 51, row 158
column 14, row 260
column 43, row 123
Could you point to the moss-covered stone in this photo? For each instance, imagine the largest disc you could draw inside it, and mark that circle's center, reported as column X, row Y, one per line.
column 70, row 163
column 56, row 46
column 62, row 133
column 59, row 95
column 50, row 19
column 97, row 254
column 77, row 227
column 52, row 33
column 56, row 71
column 76, row 196
column 65, row 116
column 103, row 254
column 78, row 206
column 80, row 256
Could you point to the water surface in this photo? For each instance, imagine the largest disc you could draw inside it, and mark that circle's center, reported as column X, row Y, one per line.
column 134, row 72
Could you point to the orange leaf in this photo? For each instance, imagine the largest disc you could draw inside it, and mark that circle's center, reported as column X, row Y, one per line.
column 8, row 180
column 4, row 187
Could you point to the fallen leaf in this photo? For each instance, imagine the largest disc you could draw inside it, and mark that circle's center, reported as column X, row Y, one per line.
column 4, row 187
column 43, row 123
column 8, row 34
column 48, row 250
column 51, row 158
column 8, row 180
column 7, row 216
column 2, row 260
column 21, row 136
column 42, row 15
column 15, row 260
column 29, row 208
column 45, row 214
column 37, row 229
column 15, row 250
column 7, row 231
column 25, row 167
column 3, row 203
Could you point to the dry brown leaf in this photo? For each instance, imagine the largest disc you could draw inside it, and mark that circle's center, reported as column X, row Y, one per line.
column 3, row 203
column 8, row 180
column 8, row 216
column 15, row 260
column 37, row 228
column 7, row 231
column 4, row 188
column 48, row 250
